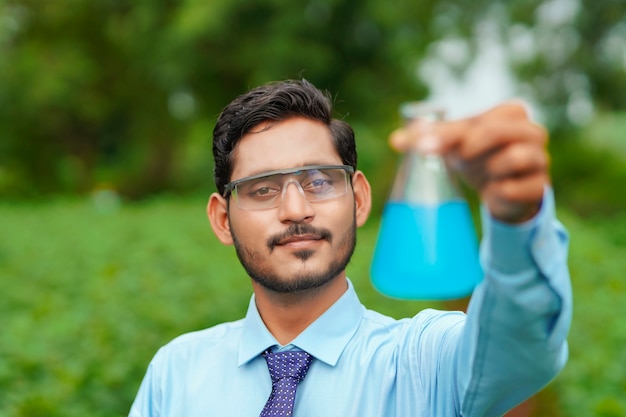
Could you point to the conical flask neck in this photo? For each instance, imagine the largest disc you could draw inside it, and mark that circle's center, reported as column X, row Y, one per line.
column 424, row 179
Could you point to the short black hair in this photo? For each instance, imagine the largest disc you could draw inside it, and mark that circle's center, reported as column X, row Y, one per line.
column 275, row 101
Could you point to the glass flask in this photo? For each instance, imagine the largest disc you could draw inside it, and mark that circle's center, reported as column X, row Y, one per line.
column 427, row 247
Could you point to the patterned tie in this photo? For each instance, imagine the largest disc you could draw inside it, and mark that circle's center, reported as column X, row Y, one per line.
column 287, row 369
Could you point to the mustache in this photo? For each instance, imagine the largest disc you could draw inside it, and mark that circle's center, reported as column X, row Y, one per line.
column 298, row 229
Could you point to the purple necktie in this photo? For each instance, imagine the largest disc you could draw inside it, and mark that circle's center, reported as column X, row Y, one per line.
column 287, row 369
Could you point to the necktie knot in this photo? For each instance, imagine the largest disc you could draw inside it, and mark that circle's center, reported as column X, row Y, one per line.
column 287, row 369
column 294, row 365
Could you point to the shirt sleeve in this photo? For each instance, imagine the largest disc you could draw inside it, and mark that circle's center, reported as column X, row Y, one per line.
column 514, row 340
column 147, row 399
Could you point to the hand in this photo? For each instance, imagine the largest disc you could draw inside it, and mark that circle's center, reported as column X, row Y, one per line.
column 501, row 153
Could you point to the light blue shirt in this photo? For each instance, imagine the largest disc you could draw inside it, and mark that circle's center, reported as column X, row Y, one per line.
column 437, row 364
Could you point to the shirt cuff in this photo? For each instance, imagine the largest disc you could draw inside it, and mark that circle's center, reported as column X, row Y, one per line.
column 541, row 245
column 511, row 248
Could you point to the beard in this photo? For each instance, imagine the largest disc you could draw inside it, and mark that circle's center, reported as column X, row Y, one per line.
column 268, row 277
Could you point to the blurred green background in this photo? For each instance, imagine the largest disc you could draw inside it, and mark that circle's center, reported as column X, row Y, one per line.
column 106, row 113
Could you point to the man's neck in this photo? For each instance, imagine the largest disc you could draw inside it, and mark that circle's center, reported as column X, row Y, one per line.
column 287, row 315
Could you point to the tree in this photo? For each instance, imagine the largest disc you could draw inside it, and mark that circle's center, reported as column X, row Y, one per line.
column 125, row 91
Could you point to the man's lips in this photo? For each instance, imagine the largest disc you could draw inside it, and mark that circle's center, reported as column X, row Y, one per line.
column 299, row 235
column 299, row 239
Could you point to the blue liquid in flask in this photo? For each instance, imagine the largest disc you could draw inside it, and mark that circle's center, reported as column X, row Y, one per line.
column 426, row 251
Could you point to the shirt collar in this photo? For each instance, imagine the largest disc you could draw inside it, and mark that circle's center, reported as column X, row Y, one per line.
column 325, row 338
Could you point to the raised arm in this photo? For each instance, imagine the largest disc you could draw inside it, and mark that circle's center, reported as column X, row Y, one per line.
column 514, row 339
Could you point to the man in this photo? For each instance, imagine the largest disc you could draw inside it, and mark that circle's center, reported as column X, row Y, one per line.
column 290, row 199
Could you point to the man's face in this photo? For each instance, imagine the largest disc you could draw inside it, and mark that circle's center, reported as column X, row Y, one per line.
column 298, row 245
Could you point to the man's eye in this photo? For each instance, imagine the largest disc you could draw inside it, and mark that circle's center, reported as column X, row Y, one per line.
column 263, row 192
column 318, row 185
column 321, row 182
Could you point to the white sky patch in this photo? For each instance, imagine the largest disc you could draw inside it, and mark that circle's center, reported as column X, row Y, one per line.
column 486, row 82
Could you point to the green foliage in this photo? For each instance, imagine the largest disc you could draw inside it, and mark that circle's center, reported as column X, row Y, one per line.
column 91, row 289
column 593, row 383
column 88, row 297
column 99, row 92
column 102, row 91
column 589, row 169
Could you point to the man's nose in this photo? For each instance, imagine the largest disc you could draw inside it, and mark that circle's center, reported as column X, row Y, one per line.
column 294, row 207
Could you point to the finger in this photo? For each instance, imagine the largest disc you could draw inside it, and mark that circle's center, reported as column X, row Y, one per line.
column 511, row 110
column 400, row 140
column 487, row 137
column 515, row 199
column 516, row 160
column 508, row 116
column 440, row 137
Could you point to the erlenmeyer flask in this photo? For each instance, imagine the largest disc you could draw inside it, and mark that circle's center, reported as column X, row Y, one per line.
column 427, row 246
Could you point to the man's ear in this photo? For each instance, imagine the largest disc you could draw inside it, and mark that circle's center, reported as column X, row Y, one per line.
column 217, row 212
column 362, row 197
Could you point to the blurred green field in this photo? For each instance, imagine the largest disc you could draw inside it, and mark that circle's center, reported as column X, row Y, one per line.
column 87, row 297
